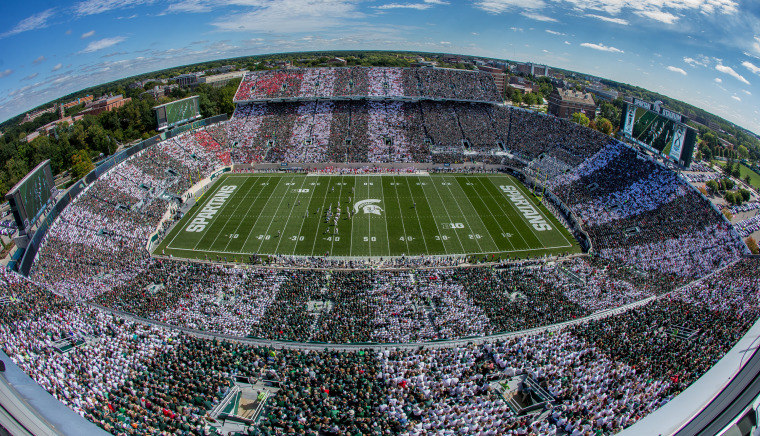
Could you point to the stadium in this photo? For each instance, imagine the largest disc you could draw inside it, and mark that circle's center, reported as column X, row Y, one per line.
column 381, row 250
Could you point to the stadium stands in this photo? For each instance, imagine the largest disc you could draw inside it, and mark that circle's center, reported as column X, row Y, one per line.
column 660, row 251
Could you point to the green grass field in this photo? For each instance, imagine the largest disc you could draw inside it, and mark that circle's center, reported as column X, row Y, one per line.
column 410, row 215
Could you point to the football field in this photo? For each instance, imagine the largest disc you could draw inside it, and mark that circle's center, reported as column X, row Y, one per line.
column 364, row 216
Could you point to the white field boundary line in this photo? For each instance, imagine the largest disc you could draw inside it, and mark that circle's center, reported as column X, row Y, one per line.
column 377, row 257
column 490, row 212
column 208, row 194
column 237, row 229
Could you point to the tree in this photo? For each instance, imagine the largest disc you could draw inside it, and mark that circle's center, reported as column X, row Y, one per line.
column 748, row 179
column 743, row 152
column 713, row 185
column 81, row 164
column 727, row 213
column 580, row 118
column 604, row 125
column 752, row 245
column 744, row 194
column 610, row 112
column 516, row 98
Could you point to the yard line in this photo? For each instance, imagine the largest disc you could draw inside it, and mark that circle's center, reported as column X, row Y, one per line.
column 282, row 234
column 419, row 221
column 351, row 236
column 385, row 218
column 276, row 211
column 219, row 184
column 401, row 218
column 319, row 217
column 250, row 232
column 472, row 229
column 219, row 214
column 498, row 223
column 249, row 208
column 480, row 179
column 538, row 209
column 304, row 219
column 448, row 215
column 340, row 192
column 369, row 224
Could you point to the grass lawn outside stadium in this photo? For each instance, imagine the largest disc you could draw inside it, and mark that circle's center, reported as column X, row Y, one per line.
column 391, row 215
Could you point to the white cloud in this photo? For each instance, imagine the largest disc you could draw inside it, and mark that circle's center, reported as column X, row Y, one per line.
column 602, row 47
column 567, row 42
column 658, row 15
column 92, row 7
column 756, row 44
column 746, row 92
column 57, row 67
column 539, row 17
column 39, row 60
column 193, row 6
column 609, row 19
column 700, row 61
column 31, row 76
column 730, row 71
column 736, row 97
column 103, row 43
column 676, row 70
column 291, row 16
column 36, row 21
column 5, row 73
column 554, row 32
column 426, row 4
column 752, row 67
column 500, row 6
column 88, row 34
column 718, row 80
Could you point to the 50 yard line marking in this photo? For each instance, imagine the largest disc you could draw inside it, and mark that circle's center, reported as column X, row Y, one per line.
column 340, row 192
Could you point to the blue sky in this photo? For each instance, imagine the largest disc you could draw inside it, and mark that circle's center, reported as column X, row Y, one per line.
column 705, row 52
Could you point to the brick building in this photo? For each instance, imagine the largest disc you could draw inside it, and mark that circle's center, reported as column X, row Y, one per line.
column 564, row 102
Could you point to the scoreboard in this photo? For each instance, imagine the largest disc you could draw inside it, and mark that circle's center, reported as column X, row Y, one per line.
column 31, row 195
column 177, row 112
column 659, row 130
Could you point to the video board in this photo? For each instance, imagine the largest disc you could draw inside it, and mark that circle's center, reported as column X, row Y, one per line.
column 659, row 130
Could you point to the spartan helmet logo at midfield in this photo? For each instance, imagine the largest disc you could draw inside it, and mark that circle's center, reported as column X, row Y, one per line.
column 369, row 206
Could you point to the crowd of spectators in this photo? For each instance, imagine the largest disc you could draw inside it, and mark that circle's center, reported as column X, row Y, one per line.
column 603, row 374
column 390, row 82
